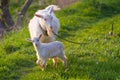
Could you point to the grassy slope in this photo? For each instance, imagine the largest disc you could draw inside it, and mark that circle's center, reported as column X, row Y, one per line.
column 81, row 22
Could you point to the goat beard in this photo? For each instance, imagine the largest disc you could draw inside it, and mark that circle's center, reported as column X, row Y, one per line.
column 49, row 31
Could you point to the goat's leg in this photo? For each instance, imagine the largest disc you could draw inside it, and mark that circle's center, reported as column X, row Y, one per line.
column 44, row 64
column 64, row 60
column 55, row 62
column 38, row 62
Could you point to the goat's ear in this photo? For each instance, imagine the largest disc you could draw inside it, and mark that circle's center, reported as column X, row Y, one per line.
column 28, row 39
column 50, row 10
column 40, row 36
column 40, row 16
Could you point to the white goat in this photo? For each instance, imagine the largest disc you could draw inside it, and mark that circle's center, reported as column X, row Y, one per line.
column 44, row 22
column 44, row 51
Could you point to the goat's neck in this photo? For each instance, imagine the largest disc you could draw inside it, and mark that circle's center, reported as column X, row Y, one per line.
column 37, row 47
column 38, row 50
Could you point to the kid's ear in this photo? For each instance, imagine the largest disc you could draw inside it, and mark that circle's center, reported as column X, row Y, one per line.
column 28, row 39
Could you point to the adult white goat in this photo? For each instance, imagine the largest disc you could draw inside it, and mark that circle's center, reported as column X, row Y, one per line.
column 44, row 22
column 44, row 51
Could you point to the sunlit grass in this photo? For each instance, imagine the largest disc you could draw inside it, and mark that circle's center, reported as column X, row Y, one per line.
column 97, row 59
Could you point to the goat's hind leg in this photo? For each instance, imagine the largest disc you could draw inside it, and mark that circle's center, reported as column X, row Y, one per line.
column 55, row 62
column 63, row 58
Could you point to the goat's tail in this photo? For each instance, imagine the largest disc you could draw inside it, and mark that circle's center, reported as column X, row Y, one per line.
column 55, row 7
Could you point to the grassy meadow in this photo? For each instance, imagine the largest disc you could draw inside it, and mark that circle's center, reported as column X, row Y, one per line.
column 87, row 22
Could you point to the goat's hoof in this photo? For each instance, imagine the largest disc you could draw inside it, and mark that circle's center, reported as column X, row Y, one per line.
column 43, row 67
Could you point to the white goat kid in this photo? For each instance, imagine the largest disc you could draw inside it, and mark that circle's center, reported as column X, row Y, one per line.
column 44, row 51
column 44, row 22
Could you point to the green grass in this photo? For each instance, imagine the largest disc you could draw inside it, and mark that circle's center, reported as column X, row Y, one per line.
column 98, row 59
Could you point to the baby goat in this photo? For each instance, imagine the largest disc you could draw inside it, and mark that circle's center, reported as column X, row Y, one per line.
column 44, row 51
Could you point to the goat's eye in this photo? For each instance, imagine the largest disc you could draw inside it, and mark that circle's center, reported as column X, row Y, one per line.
column 37, row 40
column 45, row 19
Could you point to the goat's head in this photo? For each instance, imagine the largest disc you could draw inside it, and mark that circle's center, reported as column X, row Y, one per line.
column 46, row 17
column 35, row 40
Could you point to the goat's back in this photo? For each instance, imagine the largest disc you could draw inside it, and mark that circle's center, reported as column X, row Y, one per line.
column 53, row 45
column 34, row 27
column 52, row 49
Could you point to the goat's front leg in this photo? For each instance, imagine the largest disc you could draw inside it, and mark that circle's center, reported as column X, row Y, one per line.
column 38, row 62
column 44, row 64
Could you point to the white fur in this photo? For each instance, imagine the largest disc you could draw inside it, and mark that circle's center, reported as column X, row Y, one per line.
column 48, row 21
column 44, row 51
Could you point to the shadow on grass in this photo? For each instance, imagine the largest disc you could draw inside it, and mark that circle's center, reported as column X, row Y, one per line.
column 11, row 48
column 15, row 67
